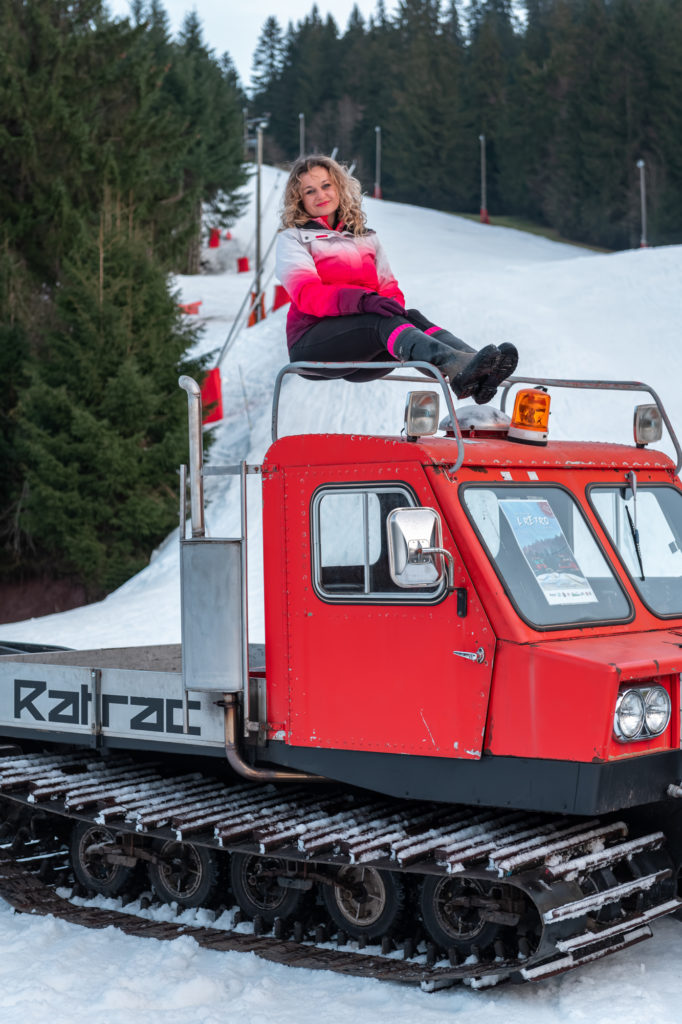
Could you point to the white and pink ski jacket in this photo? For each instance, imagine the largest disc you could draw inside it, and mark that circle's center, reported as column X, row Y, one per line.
column 326, row 272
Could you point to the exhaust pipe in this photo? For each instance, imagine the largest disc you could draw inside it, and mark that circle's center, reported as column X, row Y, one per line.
column 196, row 463
column 196, row 454
column 239, row 765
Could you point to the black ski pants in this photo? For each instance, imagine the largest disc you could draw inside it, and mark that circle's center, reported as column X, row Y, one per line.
column 361, row 338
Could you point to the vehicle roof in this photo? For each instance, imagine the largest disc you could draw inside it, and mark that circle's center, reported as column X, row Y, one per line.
column 326, row 449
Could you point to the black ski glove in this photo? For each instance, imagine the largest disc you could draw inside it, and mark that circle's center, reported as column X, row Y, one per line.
column 382, row 305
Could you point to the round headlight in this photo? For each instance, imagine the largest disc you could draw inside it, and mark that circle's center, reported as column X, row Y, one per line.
column 629, row 718
column 657, row 710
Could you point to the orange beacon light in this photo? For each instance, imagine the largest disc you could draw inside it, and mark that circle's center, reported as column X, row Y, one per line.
column 530, row 418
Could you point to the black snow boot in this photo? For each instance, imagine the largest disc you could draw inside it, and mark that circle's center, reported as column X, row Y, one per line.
column 507, row 361
column 451, row 340
column 439, row 333
column 480, row 366
column 413, row 344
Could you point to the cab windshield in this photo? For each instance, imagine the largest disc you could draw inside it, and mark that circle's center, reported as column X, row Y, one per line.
column 546, row 555
column 646, row 531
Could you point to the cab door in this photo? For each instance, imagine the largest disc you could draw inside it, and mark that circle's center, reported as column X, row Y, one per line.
column 373, row 666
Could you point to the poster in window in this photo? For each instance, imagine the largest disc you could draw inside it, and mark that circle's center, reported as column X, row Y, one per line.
column 538, row 533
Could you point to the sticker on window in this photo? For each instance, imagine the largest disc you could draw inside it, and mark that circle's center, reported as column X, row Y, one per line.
column 544, row 546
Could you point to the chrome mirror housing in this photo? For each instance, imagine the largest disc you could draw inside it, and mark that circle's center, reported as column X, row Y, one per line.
column 415, row 548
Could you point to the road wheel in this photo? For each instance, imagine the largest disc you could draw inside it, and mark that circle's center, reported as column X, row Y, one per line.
column 364, row 902
column 257, row 890
column 184, row 874
column 452, row 911
column 89, row 863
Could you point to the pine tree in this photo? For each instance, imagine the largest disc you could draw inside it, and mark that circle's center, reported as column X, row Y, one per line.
column 658, row 30
column 100, row 191
column 268, row 57
column 14, row 355
column 591, row 192
column 490, row 71
column 452, row 26
column 376, row 84
column 380, row 18
column 197, row 94
column 427, row 95
column 100, row 428
column 353, row 85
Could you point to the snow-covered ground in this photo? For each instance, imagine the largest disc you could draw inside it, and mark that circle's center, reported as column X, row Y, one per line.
column 571, row 313
column 55, row 973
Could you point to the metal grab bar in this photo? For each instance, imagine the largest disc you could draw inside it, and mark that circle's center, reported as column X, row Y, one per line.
column 322, row 368
column 196, row 454
column 597, row 385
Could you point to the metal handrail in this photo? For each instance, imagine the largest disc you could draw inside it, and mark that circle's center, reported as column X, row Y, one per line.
column 599, row 385
column 433, row 371
column 322, row 368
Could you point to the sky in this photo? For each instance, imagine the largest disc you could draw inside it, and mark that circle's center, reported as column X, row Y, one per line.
column 234, row 25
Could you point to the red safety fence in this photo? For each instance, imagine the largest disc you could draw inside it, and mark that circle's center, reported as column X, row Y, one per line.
column 192, row 308
column 281, row 298
column 212, row 395
column 257, row 310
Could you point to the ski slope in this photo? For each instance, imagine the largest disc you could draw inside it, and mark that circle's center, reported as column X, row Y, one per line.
column 571, row 313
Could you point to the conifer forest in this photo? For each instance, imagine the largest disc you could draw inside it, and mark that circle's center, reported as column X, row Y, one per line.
column 569, row 94
column 112, row 137
column 119, row 143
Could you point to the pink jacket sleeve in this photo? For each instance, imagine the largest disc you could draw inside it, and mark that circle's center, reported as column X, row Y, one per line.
column 388, row 284
column 295, row 268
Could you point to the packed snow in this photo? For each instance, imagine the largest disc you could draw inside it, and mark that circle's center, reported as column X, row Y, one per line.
column 572, row 313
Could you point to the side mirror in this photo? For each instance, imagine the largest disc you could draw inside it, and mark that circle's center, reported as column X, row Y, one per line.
column 415, row 548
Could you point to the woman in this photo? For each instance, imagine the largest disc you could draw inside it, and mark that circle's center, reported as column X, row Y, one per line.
column 346, row 305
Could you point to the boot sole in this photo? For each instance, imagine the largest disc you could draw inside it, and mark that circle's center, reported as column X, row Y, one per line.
column 477, row 372
column 505, row 366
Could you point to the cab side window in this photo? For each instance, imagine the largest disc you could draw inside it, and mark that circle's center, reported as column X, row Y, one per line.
column 350, row 544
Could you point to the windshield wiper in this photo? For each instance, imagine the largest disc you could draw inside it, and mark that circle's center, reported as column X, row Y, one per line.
column 635, row 537
column 632, row 478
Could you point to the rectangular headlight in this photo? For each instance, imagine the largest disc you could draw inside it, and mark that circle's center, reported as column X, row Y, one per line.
column 421, row 413
column 648, row 425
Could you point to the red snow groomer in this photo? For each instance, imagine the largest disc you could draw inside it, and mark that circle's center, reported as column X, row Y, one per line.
column 462, row 736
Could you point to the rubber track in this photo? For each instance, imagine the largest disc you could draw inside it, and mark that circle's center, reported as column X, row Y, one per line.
column 29, row 895
column 334, row 826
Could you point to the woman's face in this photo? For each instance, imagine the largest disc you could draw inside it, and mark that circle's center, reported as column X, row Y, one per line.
column 318, row 193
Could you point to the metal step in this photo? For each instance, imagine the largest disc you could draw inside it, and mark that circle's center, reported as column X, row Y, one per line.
column 614, row 894
column 604, row 858
column 540, row 972
column 575, row 839
column 578, row 942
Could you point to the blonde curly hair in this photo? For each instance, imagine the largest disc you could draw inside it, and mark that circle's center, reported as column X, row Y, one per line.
column 350, row 195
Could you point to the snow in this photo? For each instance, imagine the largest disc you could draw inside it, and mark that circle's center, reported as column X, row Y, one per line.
column 51, row 971
column 571, row 312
